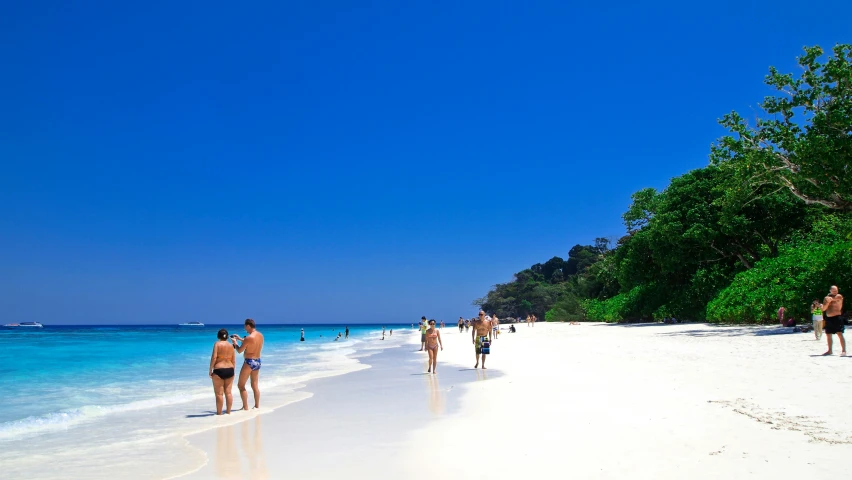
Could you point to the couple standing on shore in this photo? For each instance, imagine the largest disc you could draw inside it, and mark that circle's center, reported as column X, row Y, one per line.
column 223, row 363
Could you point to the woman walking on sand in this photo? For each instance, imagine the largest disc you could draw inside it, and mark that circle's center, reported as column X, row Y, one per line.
column 816, row 312
column 529, row 319
column 222, row 371
column 433, row 341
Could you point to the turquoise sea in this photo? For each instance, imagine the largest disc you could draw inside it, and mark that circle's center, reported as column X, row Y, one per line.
column 75, row 388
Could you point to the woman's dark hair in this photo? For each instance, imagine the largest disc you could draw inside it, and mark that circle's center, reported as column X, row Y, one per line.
column 223, row 334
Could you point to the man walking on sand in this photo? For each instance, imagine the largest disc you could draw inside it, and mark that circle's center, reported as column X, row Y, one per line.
column 481, row 334
column 832, row 307
column 423, row 328
column 252, row 344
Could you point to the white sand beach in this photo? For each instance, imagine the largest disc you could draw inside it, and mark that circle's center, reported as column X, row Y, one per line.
column 557, row 401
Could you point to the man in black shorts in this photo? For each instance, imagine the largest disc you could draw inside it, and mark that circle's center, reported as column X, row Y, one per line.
column 833, row 307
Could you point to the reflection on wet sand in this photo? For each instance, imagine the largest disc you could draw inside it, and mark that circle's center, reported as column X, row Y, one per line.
column 436, row 396
column 227, row 459
column 482, row 374
column 228, row 464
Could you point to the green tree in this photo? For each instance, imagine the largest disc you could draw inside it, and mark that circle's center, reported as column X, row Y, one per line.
column 804, row 141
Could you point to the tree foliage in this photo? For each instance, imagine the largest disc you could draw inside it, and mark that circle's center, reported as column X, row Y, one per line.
column 748, row 232
column 804, row 142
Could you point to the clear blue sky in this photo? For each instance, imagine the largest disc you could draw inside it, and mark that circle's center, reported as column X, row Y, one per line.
column 348, row 161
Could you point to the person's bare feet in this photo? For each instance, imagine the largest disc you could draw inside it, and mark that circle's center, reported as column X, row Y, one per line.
column 476, row 366
column 483, row 367
column 842, row 354
column 827, row 353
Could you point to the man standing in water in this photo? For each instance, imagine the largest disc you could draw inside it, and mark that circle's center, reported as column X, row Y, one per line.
column 832, row 307
column 252, row 344
column 481, row 334
column 347, row 332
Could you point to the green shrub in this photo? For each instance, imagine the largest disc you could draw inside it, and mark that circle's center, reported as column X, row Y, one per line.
column 803, row 271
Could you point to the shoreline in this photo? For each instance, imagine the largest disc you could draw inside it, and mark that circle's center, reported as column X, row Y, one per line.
column 594, row 400
column 149, row 439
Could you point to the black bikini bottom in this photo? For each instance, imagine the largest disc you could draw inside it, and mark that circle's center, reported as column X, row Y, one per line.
column 224, row 373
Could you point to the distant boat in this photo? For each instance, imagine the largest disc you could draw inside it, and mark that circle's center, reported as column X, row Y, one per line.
column 24, row 325
column 191, row 324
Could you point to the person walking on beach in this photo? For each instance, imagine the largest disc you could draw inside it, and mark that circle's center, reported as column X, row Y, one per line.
column 529, row 320
column 481, row 334
column 461, row 324
column 433, row 340
column 222, row 372
column 495, row 325
column 347, row 332
column 832, row 308
column 423, row 328
column 816, row 314
column 250, row 347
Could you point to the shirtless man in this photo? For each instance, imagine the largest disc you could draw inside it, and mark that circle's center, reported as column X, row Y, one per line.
column 481, row 333
column 832, row 307
column 252, row 344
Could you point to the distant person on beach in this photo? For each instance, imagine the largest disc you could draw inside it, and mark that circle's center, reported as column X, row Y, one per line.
column 816, row 315
column 467, row 325
column 302, row 338
column 832, row 309
column 512, row 329
column 481, row 334
column 433, row 340
column 461, row 324
column 529, row 320
column 781, row 314
column 391, row 332
column 347, row 331
column 222, row 372
column 423, row 328
column 495, row 325
column 252, row 345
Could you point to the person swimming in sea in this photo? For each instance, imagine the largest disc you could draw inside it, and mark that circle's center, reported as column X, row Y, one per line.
column 222, row 363
column 433, row 341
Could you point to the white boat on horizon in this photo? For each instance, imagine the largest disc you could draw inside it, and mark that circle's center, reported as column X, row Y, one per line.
column 24, row 325
column 191, row 324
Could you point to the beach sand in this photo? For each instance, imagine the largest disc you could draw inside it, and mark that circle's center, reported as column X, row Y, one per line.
column 587, row 401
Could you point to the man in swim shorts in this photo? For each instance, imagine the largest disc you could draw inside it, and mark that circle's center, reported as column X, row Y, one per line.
column 481, row 334
column 251, row 347
column 832, row 307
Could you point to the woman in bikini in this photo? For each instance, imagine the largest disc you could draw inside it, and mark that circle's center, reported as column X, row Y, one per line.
column 433, row 341
column 222, row 371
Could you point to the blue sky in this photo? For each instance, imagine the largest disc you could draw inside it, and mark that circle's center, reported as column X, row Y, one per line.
column 348, row 161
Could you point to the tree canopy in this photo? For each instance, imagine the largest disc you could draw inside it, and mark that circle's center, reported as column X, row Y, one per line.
column 746, row 232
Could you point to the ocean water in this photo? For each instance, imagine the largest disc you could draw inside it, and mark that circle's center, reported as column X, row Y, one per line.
column 84, row 394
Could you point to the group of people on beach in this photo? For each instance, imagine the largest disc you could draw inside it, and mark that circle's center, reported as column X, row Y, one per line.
column 827, row 317
column 485, row 330
column 223, row 363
